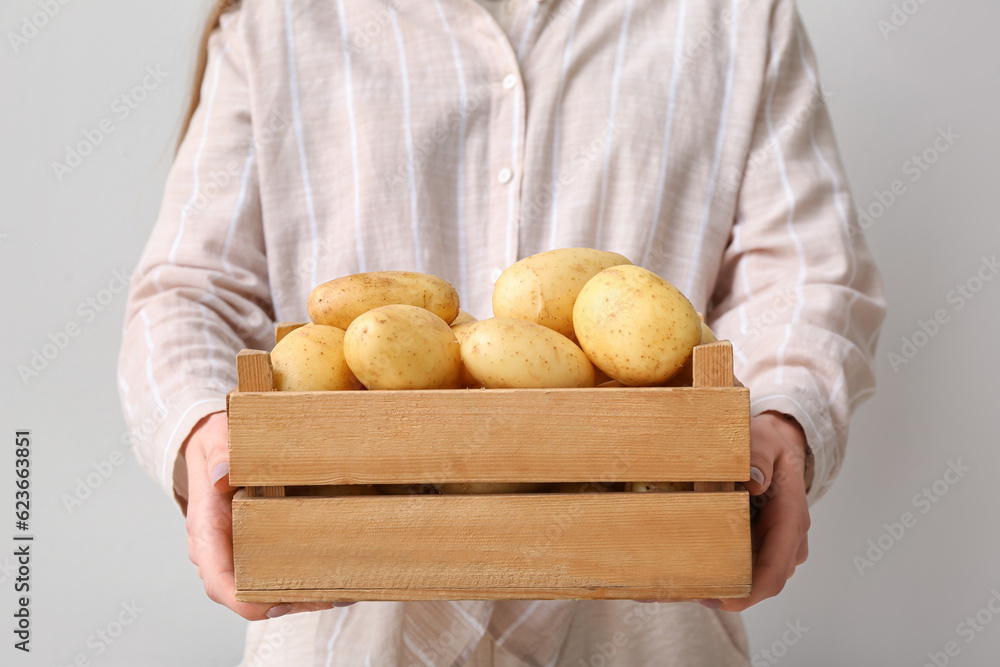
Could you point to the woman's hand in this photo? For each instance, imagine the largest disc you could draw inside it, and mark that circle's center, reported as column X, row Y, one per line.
column 778, row 531
column 210, row 521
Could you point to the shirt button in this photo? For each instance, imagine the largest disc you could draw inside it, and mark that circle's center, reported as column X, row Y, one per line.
column 495, row 275
column 509, row 81
column 505, row 175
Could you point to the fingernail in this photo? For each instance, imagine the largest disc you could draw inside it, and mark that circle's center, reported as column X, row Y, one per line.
column 711, row 604
column 756, row 475
column 220, row 471
column 278, row 610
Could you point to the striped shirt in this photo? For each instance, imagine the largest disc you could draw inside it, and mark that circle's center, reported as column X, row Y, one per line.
column 342, row 136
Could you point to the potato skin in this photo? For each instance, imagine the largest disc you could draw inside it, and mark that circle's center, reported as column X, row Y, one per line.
column 635, row 326
column 405, row 489
column 589, row 487
column 685, row 376
column 323, row 490
column 311, row 358
column 659, row 487
column 338, row 302
column 542, row 288
column 403, row 347
column 707, row 335
column 492, row 487
column 462, row 318
column 461, row 331
column 506, row 353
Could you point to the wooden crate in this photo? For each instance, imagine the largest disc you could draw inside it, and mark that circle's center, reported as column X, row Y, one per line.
column 615, row 545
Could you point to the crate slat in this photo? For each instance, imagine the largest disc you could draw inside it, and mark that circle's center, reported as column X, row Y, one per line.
column 489, row 435
column 254, row 373
column 520, row 546
column 629, row 593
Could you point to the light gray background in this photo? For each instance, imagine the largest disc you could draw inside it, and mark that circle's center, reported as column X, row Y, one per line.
column 62, row 241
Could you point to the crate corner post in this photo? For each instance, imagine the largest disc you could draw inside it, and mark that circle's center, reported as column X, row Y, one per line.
column 256, row 374
column 713, row 367
column 282, row 329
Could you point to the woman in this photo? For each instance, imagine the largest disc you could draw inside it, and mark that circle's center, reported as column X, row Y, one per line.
column 454, row 137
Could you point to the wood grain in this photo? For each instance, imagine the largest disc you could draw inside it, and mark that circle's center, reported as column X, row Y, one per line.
column 670, row 592
column 282, row 329
column 254, row 374
column 521, row 546
column 254, row 371
column 713, row 367
column 714, row 486
column 713, row 364
column 489, row 435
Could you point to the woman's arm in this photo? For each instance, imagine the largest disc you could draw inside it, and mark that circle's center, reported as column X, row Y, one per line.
column 199, row 295
column 798, row 293
column 801, row 300
column 200, row 291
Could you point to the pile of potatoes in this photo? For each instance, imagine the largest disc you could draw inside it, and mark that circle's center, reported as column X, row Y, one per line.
column 574, row 317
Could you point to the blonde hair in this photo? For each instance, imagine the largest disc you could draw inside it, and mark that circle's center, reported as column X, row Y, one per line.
column 218, row 9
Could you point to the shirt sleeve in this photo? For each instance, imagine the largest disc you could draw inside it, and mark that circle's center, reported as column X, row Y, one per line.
column 798, row 293
column 200, row 290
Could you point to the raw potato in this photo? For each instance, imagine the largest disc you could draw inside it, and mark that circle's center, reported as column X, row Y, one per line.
column 542, row 288
column 635, row 326
column 403, row 347
column 338, row 302
column 707, row 336
column 493, row 487
column 685, row 376
column 311, row 358
column 324, row 490
column 405, row 489
column 589, row 487
column 660, row 487
column 504, row 352
column 462, row 318
column 461, row 332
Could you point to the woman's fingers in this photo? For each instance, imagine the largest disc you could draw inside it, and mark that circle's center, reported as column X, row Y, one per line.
column 210, row 525
column 780, row 532
column 803, row 552
column 214, row 547
column 761, row 466
column 209, row 528
column 769, row 437
column 213, row 436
